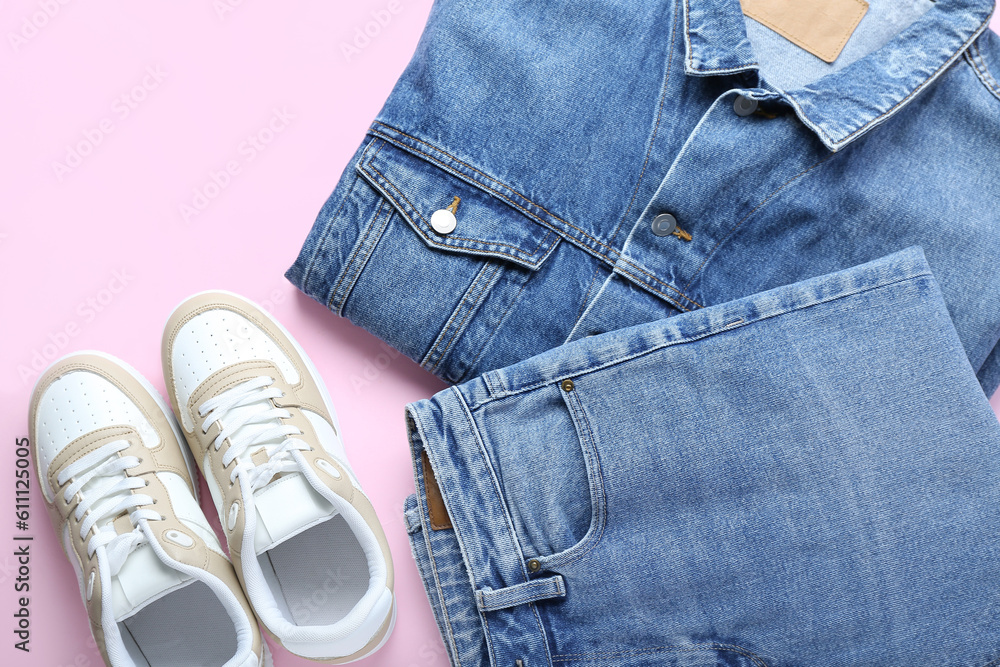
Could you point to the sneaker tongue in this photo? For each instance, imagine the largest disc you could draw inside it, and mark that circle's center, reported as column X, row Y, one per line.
column 143, row 579
column 286, row 507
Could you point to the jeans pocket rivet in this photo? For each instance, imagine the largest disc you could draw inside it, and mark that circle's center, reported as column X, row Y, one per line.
column 533, row 564
column 568, row 385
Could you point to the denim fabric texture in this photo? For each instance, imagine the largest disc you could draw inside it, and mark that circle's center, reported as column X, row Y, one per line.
column 799, row 477
column 565, row 128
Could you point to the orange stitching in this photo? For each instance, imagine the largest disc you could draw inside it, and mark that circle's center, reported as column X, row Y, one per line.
column 437, row 585
column 666, row 297
column 576, row 405
column 501, row 196
column 690, row 57
column 503, row 317
column 326, row 230
column 357, row 248
column 471, row 293
column 457, row 238
column 983, row 72
column 468, row 313
column 484, row 185
column 451, row 318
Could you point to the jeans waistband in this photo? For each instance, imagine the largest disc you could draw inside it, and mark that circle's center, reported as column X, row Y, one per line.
column 614, row 347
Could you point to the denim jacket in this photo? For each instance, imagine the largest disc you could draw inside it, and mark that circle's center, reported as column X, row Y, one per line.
column 612, row 162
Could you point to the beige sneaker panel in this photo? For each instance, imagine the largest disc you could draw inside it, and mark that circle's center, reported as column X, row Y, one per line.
column 203, row 443
column 168, row 453
column 198, row 555
column 306, row 389
column 235, row 374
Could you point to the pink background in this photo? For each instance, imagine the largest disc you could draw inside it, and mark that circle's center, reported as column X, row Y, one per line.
column 99, row 244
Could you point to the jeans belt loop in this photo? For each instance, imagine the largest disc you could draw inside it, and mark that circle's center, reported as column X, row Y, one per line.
column 523, row 593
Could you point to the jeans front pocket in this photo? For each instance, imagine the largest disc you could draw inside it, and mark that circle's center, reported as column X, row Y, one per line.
column 546, row 455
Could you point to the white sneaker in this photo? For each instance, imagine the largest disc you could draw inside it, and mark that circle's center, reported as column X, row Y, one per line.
column 121, row 496
column 305, row 540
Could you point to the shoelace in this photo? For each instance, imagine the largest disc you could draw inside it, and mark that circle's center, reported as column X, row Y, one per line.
column 248, row 419
column 106, row 492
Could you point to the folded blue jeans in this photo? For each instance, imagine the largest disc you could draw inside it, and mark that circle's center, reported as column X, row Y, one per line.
column 805, row 476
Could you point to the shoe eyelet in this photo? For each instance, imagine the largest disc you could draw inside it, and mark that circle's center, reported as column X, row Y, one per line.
column 328, row 468
column 179, row 538
column 234, row 513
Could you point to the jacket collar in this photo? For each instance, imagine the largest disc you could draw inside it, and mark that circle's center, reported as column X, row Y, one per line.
column 847, row 103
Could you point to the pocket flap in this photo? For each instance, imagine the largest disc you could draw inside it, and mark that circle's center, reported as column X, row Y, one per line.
column 486, row 225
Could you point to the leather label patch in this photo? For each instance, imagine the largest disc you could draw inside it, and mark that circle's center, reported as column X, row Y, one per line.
column 435, row 502
column 821, row 27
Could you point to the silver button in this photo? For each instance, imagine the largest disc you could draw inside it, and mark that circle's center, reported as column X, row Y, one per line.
column 664, row 224
column 443, row 221
column 744, row 106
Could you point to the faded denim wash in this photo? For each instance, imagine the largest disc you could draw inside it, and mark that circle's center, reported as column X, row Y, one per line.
column 807, row 476
column 566, row 127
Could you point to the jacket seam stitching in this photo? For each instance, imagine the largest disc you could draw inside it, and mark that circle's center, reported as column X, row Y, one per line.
column 349, row 267
column 516, row 250
column 475, row 302
column 486, row 343
column 326, row 231
column 919, row 88
column 617, row 257
column 982, row 70
column 438, row 341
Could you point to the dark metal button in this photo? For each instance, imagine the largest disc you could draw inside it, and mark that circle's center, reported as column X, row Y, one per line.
column 744, row 106
column 568, row 385
column 533, row 564
column 664, row 224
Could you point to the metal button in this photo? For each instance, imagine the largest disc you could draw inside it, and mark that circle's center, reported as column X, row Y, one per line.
column 568, row 385
column 533, row 564
column 443, row 221
column 744, row 106
column 664, row 224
